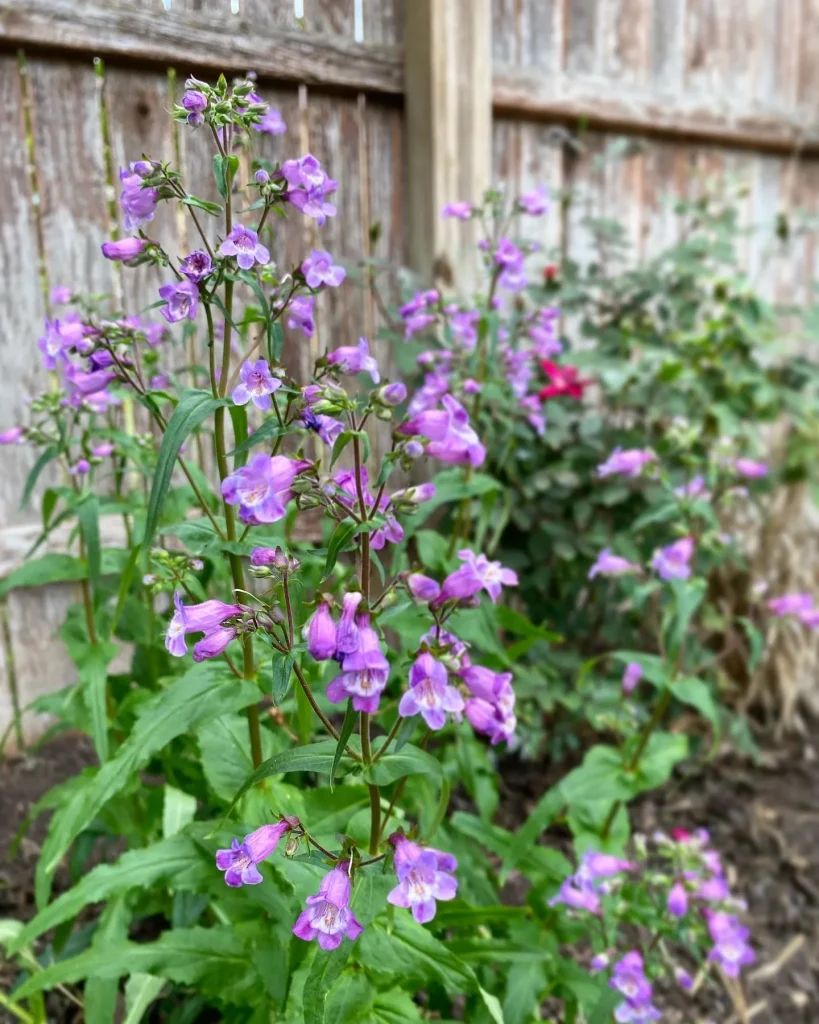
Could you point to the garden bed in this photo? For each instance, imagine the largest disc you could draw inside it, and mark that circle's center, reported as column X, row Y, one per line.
column 765, row 818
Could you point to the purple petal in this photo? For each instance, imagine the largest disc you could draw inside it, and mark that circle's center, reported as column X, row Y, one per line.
column 303, row 927
column 398, row 896
column 329, row 942
column 424, row 912
column 354, row 927
column 445, row 887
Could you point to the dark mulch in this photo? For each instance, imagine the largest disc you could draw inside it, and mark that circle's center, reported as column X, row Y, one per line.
column 763, row 818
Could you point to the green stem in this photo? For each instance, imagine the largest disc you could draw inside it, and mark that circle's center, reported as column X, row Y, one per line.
column 325, row 721
column 660, row 709
column 390, row 737
column 375, row 819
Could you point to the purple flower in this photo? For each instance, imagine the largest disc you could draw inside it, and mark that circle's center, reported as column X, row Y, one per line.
column 160, row 381
column 60, row 336
column 417, row 323
column 416, row 495
column 536, row 202
column 677, row 903
column 507, row 254
column 347, row 638
column 355, row 359
column 195, row 102
column 271, row 123
column 83, row 385
column 13, row 435
column 239, row 862
column 430, row 694
column 594, row 865
column 731, row 950
column 392, row 531
column 629, row 979
column 60, row 295
column 244, row 244
column 491, row 708
column 695, row 488
column 138, row 203
column 300, row 314
column 599, row 962
column 391, row 395
column 196, row 266
column 543, row 332
column 435, row 386
column 257, row 384
column 671, row 563
column 800, row 605
column 464, row 326
column 608, row 564
column 459, row 210
column 261, row 489
column 364, row 672
column 328, row 916
column 422, row 588
column 319, row 269
column 321, row 633
column 327, row 427
column 577, row 896
column 103, row 450
column 125, row 249
column 424, row 876
column 80, row 467
column 477, row 573
column 206, row 617
column 628, row 463
column 631, row 677
column 182, row 298
column 451, row 438
column 750, row 469
column 308, row 187
column 683, row 979
column 261, row 176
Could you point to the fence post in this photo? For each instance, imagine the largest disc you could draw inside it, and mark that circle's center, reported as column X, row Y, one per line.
column 448, row 109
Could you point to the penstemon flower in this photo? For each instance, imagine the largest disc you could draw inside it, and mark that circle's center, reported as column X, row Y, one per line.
column 476, row 574
column 450, row 437
column 257, row 384
column 182, row 298
column 321, row 633
column 328, row 917
column 430, row 694
column 125, row 249
column 300, row 314
column 364, row 671
column 424, row 876
column 262, row 488
column 671, row 563
column 138, row 202
column 206, row 618
column 196, row 266
column 628, row 463
column 239, row 863
column 319, row 269
column 608, row 564
column 355, row 359
column 243, row 243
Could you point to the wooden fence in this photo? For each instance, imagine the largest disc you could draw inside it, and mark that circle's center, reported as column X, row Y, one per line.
column 409, row 103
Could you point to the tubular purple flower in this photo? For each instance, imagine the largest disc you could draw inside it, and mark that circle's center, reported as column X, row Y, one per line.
column 608, row 564
column 392, row 531
column 683, row 979
column 355, row 359
column 300, row 314
column 750, row 469
column 491, row 709
column 677, row 900
column 731, row 950
column 125, row 249
column 257, row 384
column 262, row 488
column 14, row 435
column 60, row 295
column 451, row 438
column 578, row 897
column 416, row 495
column 632, row 675
column 80, row 467
column 347, row 638
column 430, row 694
column 271, row 123
column 321, row 633
column 83, row 384
column 536, row 202
column 328, row 917
column 244, row 244
column 261, row 176
column 629, row 979
column 239, row 862
column 60, row 336
column 206, row 617
column 671, row 563
column 594, row 865
column 695, row 488
column 319, row 269
column 196, row 266
column 391, row 395
column 138, row 203
column 422, row 588
column 213, row 644
column 196, row 103
column 364, row 672
column 327, row 427
column 424, row 876
column 182, row 298
column 103, row 450
column 459, row 210
column 464, row 327
column 627, row 463
column 477, row 573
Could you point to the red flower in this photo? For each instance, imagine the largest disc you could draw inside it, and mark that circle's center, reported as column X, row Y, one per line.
column 550, row 272
column 565, row 380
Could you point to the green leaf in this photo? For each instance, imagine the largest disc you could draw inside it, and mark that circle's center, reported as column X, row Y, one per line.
column 224, row 169
column 88, row 514
column 179, row 860
column 194, row 407
column 605, row 1007
column 349, row 1001
column 440, row 812
column 697, row 694
column 201, row 204
column 225, row 748
column 51, row 497
column 53, row 568
column 204, row 693
column 46, row 456
column 238, row 416
column 266, row 432
column 405, row 731
column 124, row 588
column 452, row 486
column 326, row 970
column 282, row 671
column 93, row 673
column 347, row 726
column 342, row 535
column 275, row 341
column 100, row 994
column 341, row 443
column 140, row 991
column 410, row 761
column 178, row 810
column 525, row 985
column 314, row 757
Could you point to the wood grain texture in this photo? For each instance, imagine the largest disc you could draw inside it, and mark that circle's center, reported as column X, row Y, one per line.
column 116, row 29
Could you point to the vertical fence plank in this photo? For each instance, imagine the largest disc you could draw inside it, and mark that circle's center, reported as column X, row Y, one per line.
column 448, row 119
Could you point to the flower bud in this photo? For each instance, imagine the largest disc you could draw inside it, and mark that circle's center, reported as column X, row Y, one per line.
column 677, row 900
column 321, row 633
column 413, row 449
column 262, row 177
column 291, row 847
column 422, row 588
column 391, row 394
column 414, row 495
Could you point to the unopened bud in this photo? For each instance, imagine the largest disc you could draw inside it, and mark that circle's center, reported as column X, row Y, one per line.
column 291, row 847
column 390, row 394
column 262, row 177
column 413, row 449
